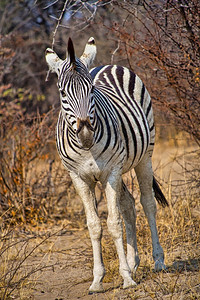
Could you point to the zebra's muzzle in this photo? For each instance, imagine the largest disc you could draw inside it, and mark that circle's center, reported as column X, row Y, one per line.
column 81, row 123
column 85, row 133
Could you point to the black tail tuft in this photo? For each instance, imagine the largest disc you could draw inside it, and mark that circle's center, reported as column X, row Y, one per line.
column 159, row 194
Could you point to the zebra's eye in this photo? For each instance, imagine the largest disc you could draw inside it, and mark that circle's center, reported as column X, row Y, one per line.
column 63, row 93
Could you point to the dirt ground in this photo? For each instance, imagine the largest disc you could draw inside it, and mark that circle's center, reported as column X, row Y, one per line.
column 54, row 261
column 67, row 258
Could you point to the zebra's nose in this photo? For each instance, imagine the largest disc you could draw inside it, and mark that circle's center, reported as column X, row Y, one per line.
column 84, row 123
column 85, row 133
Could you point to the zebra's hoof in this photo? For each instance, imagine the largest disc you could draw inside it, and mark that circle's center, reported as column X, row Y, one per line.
column 129, row 282
column 160, row 266
column 96, row 287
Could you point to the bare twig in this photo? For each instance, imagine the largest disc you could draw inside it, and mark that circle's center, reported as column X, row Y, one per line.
column 56, row 29
column 115, row 51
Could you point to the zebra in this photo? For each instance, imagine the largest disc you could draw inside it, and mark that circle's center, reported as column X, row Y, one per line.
column 105, row 128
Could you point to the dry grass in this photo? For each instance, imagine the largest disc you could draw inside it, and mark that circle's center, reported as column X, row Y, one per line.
column 179, row 236
column 55, row 260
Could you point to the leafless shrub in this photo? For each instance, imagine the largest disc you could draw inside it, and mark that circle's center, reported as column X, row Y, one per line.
column 17, row 267
column 28, row 193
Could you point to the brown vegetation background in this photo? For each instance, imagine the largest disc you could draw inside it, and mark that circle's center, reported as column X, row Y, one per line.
column 158, row 40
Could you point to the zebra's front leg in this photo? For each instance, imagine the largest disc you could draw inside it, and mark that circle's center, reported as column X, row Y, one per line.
column 87, row 195
column 144, row 174
column 113, row 193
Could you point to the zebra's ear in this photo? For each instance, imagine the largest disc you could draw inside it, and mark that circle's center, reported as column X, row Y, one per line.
column 89, row 53
column 52, row 60
column 71, row 52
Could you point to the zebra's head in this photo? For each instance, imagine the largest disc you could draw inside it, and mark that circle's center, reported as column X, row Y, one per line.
column 76, row 90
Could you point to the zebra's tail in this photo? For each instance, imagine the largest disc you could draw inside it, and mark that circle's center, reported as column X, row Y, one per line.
column 159, row 194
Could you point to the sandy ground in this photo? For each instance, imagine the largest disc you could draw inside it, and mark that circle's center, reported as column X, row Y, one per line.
column 62, row 258
column 67, row 258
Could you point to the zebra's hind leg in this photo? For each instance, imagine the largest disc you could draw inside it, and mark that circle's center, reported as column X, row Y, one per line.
column 127, row 209
column 145, row 178
column 87, row 194
column 113, row 193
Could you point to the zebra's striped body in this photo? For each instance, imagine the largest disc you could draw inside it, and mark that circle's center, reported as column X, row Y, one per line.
column 105, row 128
column 131, row 103
column 125, row 125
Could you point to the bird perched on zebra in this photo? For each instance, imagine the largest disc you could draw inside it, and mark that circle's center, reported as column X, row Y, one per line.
column 105, row 128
